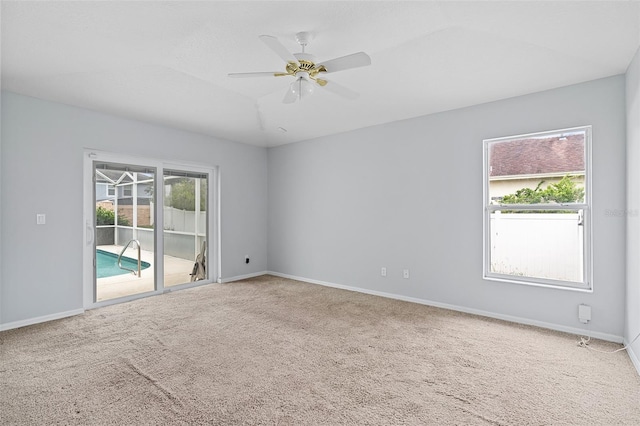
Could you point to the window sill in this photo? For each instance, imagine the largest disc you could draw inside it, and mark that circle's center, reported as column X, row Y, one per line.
column 500, row 278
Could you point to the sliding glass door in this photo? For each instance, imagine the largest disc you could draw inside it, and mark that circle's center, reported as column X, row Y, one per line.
column 149, row 227
column 124, row 236
column 185, row 227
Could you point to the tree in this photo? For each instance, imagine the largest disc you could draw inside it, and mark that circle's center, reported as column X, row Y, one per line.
column 183, row 195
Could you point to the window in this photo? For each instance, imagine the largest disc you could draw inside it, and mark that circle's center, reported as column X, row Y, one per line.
column 111, row 191
column 537, row 208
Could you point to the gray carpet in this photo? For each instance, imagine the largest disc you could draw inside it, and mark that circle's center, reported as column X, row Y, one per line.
column 272, row 351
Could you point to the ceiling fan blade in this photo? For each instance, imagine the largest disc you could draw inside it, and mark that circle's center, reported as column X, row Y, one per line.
column 256, row 74
column 354, row 60
column 275, row 45
column 339, row 90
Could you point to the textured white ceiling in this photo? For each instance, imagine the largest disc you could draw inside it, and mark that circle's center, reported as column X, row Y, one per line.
column 167, row 62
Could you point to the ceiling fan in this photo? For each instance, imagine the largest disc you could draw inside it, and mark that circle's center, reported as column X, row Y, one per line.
column 303, row 68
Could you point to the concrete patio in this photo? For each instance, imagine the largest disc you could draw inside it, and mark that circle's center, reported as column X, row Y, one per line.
column 176, row 271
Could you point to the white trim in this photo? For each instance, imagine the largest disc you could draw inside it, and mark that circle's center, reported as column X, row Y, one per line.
column 245, row 277
column 543, row 134
column 572, row 330
column 123, row 299
column 505, row 279
column 132, row 297
column 38, row 320
column 184, row 286
column 632, row 355
column 215, row 197
column 536, row 176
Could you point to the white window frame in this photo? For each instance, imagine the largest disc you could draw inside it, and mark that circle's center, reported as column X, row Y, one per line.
column 586, row 285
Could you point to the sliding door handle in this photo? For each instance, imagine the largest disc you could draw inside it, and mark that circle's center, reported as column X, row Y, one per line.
column 89, row 231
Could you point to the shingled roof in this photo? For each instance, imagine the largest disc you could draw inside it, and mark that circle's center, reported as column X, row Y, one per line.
column 537, row 156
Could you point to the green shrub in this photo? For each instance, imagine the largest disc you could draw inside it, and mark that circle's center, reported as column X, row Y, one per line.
column 563, row 192
column 107, row 217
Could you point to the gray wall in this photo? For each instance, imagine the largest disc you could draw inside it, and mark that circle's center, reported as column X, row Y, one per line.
column 42, row 169
column 402, row 195
column 409, row 195
column 632, row 319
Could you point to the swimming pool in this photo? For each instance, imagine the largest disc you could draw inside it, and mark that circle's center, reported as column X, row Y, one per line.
column 107, row 264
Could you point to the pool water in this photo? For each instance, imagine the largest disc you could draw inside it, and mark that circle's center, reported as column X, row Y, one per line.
column 107, row 264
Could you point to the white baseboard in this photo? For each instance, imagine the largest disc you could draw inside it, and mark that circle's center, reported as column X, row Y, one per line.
column 242, row 277
column 633, row 356
column 572, row 330
column 38, row 320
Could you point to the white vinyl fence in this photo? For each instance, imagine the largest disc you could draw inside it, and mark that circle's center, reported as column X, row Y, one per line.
column 180, row 237
column 184, row 221
column 541, row 245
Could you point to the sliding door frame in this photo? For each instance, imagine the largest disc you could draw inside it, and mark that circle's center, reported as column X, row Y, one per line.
column 88, row 253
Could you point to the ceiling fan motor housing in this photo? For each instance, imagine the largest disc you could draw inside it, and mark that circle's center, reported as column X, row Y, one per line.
column 306, row 61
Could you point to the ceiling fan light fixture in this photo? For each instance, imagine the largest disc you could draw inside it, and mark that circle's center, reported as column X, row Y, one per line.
column 301, row 87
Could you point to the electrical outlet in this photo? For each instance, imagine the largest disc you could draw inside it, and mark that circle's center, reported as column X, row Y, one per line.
column 383, row 271
column 405, row 274
column 246, row 259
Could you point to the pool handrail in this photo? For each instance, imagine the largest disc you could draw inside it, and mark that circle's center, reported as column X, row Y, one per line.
column 122, row 252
